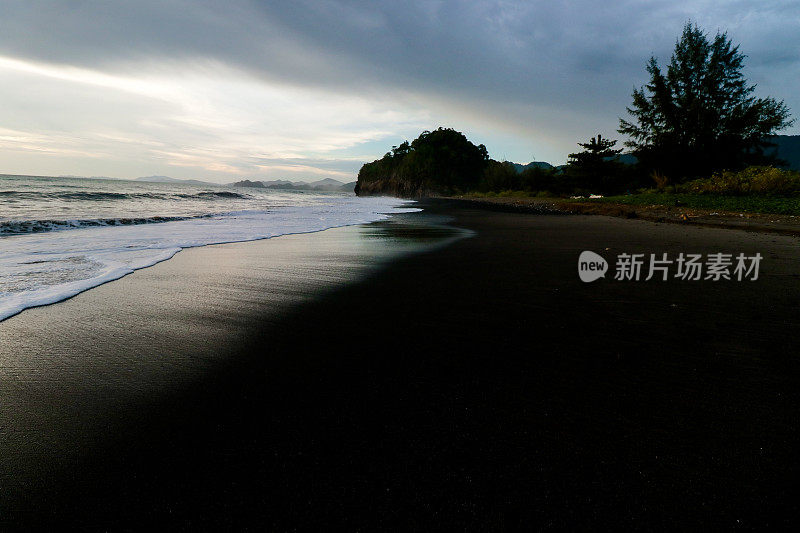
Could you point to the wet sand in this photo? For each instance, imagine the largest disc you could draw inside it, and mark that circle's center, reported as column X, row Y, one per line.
column 327, row 380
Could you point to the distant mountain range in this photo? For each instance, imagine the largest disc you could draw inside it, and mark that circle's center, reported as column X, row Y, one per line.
column 533, row 164
column 788, row 149
column 324, row 185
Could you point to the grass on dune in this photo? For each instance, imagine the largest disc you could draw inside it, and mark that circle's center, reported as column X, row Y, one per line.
column 750, row 204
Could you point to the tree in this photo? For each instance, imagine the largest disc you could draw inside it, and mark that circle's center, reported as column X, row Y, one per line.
column 439, row 161
column 701, row 115
column 500, row 176
column 598, row 152
column 596, row 167
column 447, row 160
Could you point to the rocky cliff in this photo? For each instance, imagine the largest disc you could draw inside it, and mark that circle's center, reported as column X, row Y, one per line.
column 394, row 186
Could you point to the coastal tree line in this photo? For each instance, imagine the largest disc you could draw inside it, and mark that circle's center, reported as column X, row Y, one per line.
column 695, row 125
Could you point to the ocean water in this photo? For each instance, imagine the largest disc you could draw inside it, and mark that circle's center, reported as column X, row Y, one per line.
column 62, row 236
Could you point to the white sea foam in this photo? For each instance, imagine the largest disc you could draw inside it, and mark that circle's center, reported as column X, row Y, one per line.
column 46, row 267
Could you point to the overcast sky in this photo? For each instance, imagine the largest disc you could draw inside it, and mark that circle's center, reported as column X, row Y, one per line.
column 221, row 90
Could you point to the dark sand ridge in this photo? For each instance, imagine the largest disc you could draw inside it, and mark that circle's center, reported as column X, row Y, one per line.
column 480, row 384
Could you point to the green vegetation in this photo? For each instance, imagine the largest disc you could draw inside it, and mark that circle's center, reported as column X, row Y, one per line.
column 445, row 162
column 699, row 138
column 597, row 170
column 503, row 177
column 760, row 181
column 717, row 202
column 440, row 161
column 753, row 190
column 508, row 194
column 700, row 116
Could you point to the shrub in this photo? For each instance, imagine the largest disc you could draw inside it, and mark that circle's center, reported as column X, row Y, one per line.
column 660, row 179
column 752, row 180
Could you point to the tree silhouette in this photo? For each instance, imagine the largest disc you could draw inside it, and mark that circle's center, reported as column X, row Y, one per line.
column 596, row 168
column 701, row 115
column 441, row 161
column 598, row 151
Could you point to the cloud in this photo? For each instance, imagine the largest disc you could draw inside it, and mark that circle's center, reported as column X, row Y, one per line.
column 228, row 83
column 212, row 122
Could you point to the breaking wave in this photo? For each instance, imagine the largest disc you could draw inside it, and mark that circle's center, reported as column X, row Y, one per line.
column 22, row 227
column 105, row 195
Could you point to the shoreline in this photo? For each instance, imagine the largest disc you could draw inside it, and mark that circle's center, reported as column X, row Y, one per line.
column 478, row 383
column 20, row 301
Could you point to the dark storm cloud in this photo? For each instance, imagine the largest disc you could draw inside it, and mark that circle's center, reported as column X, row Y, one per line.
column 524, row 61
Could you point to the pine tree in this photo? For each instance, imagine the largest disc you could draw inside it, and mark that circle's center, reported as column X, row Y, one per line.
column 596, row 168
column 701, row 115
column 597, row 152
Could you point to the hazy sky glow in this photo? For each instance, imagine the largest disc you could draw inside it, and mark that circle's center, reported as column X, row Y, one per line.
column 312, row 89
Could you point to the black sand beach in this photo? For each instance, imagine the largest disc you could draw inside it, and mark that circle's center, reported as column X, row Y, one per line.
column 325, row 381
